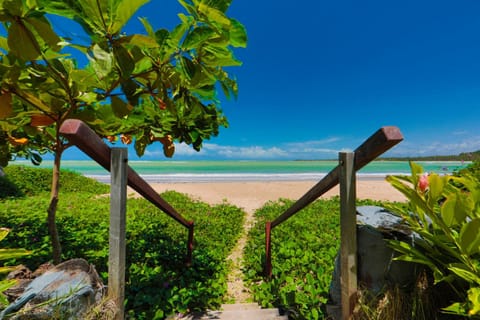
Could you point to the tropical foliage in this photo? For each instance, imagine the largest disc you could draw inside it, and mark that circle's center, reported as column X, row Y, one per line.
column 158, row 281
column 157, row 86
column 444, row 213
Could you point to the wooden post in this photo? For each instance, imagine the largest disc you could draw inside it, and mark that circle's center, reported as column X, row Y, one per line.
column 117, row 243
column 348, row 233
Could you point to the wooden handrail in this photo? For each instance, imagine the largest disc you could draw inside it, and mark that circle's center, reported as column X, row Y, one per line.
column 79, row 134
column 89, row 142
column 378, row 143
column 381, row 141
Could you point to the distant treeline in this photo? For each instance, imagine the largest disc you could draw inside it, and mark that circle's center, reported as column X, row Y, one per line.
column 464, row 156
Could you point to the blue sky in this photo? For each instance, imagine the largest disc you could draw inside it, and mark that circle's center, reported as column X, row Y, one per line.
column 319, row 77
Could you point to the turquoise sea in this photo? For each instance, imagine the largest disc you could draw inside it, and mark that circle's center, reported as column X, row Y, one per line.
column 226, row 170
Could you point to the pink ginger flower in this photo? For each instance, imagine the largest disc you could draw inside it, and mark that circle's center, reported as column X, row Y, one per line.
column 423, row 182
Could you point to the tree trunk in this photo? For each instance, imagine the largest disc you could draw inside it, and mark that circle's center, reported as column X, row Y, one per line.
column 52, row 209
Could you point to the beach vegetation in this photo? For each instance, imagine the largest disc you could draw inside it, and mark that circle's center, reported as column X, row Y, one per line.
column 156, row 87
column 472, row 169
column 21, row 181
column 444, row 214
column 159, row 283
column 303, row 254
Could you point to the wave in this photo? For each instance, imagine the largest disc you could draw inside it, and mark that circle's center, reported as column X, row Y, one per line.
column 238, row 177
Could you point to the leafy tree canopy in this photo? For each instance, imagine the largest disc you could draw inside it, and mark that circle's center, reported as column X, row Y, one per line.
column 160, row 85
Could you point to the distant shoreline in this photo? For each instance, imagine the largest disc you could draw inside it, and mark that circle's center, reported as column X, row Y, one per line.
column 240, row 171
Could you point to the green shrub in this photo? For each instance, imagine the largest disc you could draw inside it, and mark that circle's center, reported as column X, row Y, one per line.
column 158, row 282
column 31, row 181
column 8, row 189
column 303, row 254
column 472, row 169
column 445, row 212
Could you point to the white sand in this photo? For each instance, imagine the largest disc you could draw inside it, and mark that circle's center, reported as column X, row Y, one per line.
column 253, row 195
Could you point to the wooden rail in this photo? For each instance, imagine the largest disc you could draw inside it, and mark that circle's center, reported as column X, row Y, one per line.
column 381, row 141
column 89, row 142
column 378, row 143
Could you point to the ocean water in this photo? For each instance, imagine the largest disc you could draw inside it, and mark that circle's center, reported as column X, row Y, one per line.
column 225, row 170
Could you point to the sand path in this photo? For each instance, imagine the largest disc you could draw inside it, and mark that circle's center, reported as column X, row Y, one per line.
column 253, row 195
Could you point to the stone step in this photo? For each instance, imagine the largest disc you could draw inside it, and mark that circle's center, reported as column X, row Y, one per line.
column 240, row 306
column 239, row 311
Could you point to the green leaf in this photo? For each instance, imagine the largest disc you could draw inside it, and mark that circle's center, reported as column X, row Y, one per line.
column 214, row 15
column 45, row 31
column 198, row 36
column 416, row 171
column 188, row 67
column 3, row 233
column 161, row 36
column 142, row 41
column 456, row 308
column 13, row 253
column 450, row 211
column 411, row 254
column 94, row 14
column 474, row 298
column 21, row 42
column 178, row 33
column 4, row 44
column 238, row 34
column 220, row 56
column 13, row 7
column 148, row 27
column 120, row 108
column 141, row 144
column 461, row 271
column 470, row 237
column 124, row 11
column 101, row 62
column 221, row 5
column 124, row 61
column 435, row 188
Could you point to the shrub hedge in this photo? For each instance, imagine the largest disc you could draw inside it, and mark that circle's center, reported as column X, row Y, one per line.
column 22, row 180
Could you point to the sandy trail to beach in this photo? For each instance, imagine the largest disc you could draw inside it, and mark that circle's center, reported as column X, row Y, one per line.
column 253, row 195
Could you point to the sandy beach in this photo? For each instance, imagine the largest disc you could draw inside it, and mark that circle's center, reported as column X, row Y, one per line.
column 253, row 195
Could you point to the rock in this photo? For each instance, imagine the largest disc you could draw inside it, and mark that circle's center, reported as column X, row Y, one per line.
column 67, row 290
column 376, row 268
column 24, row 276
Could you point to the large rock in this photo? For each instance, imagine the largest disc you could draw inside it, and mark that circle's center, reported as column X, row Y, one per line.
column 65, row 291
column 376, row 268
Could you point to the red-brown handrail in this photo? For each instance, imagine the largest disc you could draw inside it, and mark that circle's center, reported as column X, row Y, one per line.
column 382, row 140
column 79, row 134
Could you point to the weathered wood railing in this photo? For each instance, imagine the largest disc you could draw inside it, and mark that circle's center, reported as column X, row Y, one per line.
column 349, row 162
column 115, row 161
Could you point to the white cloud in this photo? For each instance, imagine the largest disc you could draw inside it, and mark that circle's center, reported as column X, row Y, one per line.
column 248, row 152
column 320, row 149
column 422, row 148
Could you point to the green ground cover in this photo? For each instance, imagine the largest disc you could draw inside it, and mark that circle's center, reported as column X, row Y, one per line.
column 303, row 253
column 158, row 282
